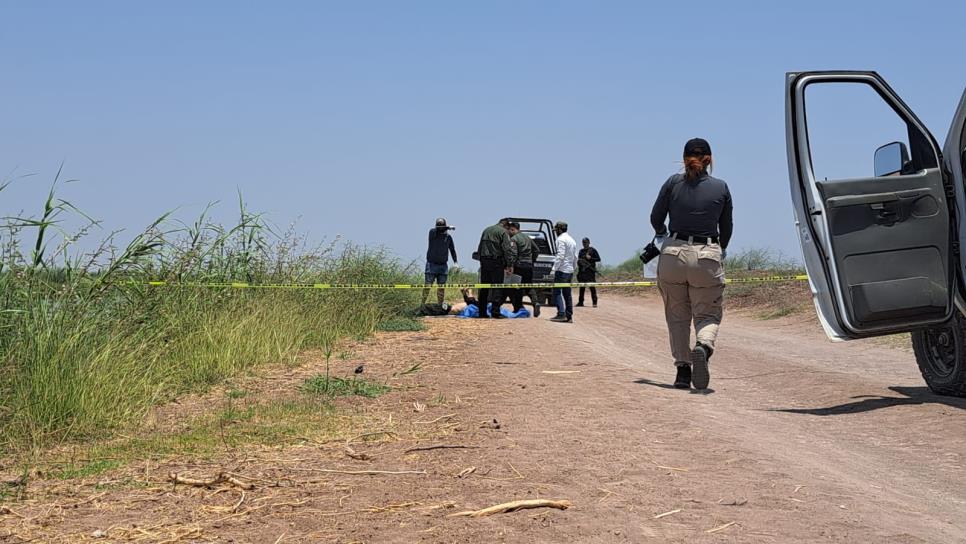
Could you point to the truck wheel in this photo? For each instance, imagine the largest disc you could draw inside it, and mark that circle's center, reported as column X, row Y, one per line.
column 941, row 355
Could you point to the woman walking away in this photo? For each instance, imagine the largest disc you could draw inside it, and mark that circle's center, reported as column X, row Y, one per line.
column 690, row 275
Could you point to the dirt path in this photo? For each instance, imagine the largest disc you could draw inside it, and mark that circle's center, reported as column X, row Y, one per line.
column 801, row 440
column 879, row 457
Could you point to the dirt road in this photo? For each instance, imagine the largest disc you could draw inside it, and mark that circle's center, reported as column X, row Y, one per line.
column 878, row 457
column 801, row 440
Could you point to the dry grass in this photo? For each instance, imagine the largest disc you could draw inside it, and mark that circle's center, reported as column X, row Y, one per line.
column 260, row 430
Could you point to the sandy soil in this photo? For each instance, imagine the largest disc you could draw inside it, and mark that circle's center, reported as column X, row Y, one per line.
column 801, row 440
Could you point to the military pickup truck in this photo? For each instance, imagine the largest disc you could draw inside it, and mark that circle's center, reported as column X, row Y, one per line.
column 883, row 247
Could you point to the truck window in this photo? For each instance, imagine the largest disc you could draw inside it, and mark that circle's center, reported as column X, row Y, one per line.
column 847, row 123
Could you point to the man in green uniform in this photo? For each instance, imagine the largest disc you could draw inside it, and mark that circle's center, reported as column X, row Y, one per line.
column 497, row 256
column 526, row 254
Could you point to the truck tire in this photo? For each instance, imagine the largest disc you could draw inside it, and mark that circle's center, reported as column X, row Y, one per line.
column 941, row 356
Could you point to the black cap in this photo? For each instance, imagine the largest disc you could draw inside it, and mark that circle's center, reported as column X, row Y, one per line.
column 697, row 147
column 441, row 222
column 586, row 240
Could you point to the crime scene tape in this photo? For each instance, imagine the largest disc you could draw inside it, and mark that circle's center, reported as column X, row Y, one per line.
column 401, row 286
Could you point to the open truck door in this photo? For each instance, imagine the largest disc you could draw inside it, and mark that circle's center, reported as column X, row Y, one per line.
column 876, row 228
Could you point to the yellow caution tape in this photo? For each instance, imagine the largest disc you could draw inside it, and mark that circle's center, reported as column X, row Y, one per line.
column 362, row 286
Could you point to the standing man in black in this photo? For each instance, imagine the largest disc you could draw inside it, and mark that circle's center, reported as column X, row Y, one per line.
column 527, row 252
column 437, row 256
column 497, row 256
column 587, row 261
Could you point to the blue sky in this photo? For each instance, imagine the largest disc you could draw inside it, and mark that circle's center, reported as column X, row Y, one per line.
column 370, row 119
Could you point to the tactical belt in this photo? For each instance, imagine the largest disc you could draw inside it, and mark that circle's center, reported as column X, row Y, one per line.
column 694, row 239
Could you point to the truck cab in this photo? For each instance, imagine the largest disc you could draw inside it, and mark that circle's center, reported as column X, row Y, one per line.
column 880, row 210
column 541, row 232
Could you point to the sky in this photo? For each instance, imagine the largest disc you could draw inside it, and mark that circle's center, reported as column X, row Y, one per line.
column 370, row 119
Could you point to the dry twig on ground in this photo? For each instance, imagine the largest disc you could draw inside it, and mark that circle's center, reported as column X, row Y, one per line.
column 366, row 472
column 356, row 455
column 721, row 528
column 666, row 514
column 440, row 447
column 220, row 478
column 389, row 434
column 513, row 506
column 440, row 418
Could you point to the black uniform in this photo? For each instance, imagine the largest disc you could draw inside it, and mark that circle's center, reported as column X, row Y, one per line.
column 700, row 207
column 587, row 259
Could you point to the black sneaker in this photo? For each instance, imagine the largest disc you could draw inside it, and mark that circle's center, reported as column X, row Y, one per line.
column 579, row 305
column 536, row 310
column 562, row 319
column 497, row 315
column 683, row 379
column 699, row 362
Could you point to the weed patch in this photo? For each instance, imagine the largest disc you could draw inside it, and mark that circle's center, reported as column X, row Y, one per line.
column 412, row 370
column 401, row 324
column 781, row 311
column 236, row 393
column 276, row 423
column 91, row 468
column 343, row 387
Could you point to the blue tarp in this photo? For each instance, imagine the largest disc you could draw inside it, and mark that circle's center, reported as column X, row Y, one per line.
column 472, row 311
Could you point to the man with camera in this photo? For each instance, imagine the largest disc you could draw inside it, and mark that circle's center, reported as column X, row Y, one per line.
column 437, row 256
column 587, row 260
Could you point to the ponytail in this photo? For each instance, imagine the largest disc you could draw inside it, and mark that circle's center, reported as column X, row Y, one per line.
column 696, row 167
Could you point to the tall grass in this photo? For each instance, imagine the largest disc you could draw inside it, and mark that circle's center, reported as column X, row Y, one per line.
column 739, row 263
column 86, row 347
column 757, row 260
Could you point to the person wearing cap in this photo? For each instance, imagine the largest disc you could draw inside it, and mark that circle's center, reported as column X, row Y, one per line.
column 564, row 264
column 690, row 273
column 437, row 256
column 587, row 261
column 527, row 252
column 497, row 255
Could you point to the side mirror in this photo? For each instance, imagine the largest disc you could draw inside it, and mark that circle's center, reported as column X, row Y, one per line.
column 891, row 159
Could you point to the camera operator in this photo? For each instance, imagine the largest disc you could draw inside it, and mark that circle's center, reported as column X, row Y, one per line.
column 690, row 274
column 437, row 256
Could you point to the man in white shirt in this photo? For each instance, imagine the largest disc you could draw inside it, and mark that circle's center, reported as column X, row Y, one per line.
column 563, row 272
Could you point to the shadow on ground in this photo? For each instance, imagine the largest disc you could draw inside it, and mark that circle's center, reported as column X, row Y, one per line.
column 652, row 383
column 867, row 403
